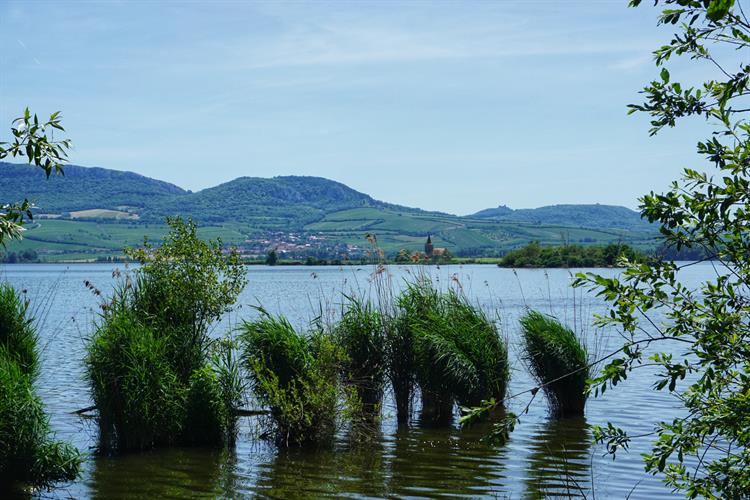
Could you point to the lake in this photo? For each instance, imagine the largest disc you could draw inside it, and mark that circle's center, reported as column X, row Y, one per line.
column 543, row 458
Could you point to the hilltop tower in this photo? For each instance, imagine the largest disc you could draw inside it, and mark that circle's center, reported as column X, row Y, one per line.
column 428, row 248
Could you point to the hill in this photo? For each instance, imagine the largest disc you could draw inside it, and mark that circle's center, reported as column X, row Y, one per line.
column 82, row 188
column 593, row 216
column 95, row 212
column 287, row 202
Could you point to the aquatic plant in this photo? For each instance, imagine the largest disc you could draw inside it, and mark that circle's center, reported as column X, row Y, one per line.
column 28, row 456
column 139, row 398
column 295, row 376
column 458, row 354
column 150, row 362
column 401, row 363
column 361, row 335
column 183, row 286
column 558, row 360
column 18, row 338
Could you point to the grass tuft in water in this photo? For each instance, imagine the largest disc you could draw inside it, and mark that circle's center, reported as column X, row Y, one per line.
column 28, row 456
column 360, row 333
column 559, row 360
column 295, row 376
column 459, row 356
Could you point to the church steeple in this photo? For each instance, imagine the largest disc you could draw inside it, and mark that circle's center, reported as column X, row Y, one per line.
column 428, row 248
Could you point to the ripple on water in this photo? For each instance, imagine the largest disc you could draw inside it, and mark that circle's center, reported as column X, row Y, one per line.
column 542, row 457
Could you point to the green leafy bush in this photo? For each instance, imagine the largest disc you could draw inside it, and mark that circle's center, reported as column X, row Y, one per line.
column 559, row 362
column 151, row 363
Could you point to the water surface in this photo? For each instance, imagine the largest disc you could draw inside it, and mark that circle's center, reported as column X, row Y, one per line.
column 542, row 458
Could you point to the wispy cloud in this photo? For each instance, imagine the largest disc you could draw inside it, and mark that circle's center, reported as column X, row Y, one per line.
column 632, row 63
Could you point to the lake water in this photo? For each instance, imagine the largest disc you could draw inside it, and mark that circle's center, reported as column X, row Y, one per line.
column 543, row 458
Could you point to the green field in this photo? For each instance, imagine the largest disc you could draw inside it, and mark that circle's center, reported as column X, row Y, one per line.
column 396, row 230
column 56, row 240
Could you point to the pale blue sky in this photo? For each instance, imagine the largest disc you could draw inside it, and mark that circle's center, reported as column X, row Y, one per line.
column 450, row 106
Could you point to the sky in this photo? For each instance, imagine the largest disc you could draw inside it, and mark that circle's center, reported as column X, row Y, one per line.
column 449, row 106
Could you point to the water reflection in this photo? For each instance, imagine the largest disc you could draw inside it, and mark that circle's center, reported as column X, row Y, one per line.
column 560, row 461
column 428, row 461
column 344, row 469
column 170, row 473
column 409, row 461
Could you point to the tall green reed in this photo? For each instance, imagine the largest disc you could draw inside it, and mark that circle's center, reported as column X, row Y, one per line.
column 360, row 332
column 458, row 353
column 28, row 454
column 559, row 361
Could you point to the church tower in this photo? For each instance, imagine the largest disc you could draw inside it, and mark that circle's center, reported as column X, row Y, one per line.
column 428, row 248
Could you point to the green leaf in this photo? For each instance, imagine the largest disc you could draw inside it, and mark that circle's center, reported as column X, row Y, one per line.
column 718, row 9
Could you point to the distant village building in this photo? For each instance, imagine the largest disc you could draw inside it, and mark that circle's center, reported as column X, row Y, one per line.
column 430, row 250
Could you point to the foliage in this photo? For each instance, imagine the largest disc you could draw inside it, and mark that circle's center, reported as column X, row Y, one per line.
column 361, row 335
column 34, row 140
column 157, row 377
column 272, row 258
column 704, row 333
column 206, row 411
column 458, row 353
column 19, row 257
column 137, row 393
column 18, row 339
column 295, row 376
column 535, row 255
column 558, row 360
column 184, row 285
column 399, row 345
column 27, row 454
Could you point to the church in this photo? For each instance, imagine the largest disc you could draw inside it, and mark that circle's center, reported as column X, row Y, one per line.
column 430, row 250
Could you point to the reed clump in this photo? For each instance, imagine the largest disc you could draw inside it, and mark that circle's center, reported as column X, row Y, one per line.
column 558, row 360
column 150, row 362
column 458, row 354
column 361, row 335
column 401, row 364
column 295, row 376
column 28, row 455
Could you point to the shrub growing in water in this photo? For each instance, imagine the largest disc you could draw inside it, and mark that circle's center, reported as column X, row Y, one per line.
column 361, row 335
column 458, row 353
column 137, row 393
column 557, row 359
column 27, row 454
column 149, row 362
column 295, row 376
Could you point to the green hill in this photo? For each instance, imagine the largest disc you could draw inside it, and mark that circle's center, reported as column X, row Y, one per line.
column 593, row 216
column 82, row 188
column 95, row 212
column 279, row 203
